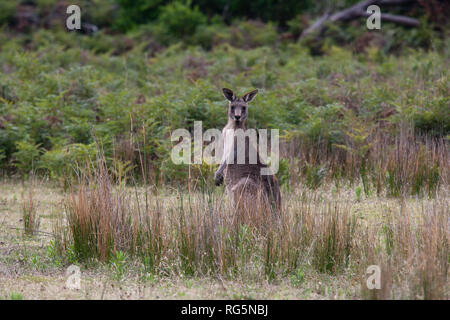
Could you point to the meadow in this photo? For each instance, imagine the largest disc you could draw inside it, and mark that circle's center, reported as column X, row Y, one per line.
column 87, row 178
column 175, row 246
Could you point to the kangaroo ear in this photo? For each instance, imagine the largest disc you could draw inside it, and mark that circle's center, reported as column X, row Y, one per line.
column 228, row 94
column 249, row 96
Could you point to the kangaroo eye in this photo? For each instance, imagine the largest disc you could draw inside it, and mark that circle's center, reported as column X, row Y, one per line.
column 243, row 109
column 232, row 108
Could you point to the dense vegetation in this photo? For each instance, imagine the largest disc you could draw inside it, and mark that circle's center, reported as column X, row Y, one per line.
column 363, row 117
column 60, row 91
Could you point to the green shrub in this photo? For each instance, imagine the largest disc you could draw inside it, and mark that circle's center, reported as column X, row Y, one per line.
column 27, row 156
column 314, row 176
column 283, row 174
column 134, row 12
column 64, row 163
column 358, row 192
column 433, row 119
column 118, row 264
column 65, row 85
column 211, row 35
column 7, row 10
column 179, row 20
column 15, row 296
column 297, row 278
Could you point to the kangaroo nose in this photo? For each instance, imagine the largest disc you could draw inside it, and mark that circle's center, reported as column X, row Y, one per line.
column 237, row 117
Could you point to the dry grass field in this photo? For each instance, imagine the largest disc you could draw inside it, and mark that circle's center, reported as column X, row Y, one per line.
column 90, row 189
column 319, row 249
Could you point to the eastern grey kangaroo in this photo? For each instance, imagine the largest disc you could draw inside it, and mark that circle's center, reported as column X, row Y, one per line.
column 244, row 183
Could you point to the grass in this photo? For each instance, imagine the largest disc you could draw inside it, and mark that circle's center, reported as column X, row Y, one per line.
column 30, row 215
column 15, row 296
column 319, row 250
column 123, row 233
column 364, row 171
column 341, row 114
column 196, row 235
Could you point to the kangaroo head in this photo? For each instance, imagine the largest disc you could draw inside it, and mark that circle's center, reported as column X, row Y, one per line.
column 237, row 107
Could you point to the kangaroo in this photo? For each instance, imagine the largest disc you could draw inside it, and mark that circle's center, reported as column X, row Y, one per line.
column 244, row 182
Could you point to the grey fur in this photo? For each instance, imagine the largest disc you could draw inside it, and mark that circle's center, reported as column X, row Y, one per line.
column 244, row 181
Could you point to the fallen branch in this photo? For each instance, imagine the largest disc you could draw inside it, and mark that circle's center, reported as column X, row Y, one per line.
column 359, row 10
column 316, row 25
column 402, row 20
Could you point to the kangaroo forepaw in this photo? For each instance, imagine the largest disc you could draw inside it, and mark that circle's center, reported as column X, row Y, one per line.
column 218, row 179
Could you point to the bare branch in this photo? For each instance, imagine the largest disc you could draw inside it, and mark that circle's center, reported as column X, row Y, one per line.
column 406, row 21
column 359, row 10
column 395, row 2
column 315, row 25
column 354, row 11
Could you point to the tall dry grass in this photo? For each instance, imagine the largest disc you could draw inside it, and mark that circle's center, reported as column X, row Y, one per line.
column 413, row 248
column 199, row 234
column 400, row 164
column 30, row 215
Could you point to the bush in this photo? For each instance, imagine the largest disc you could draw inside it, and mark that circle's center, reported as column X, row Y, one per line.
column 64, row 163
column 178, row 20
column 57, row 92
column 211, row 35
column 7, row 10
column 435, row 119
column 27, row 156
column 134, row 12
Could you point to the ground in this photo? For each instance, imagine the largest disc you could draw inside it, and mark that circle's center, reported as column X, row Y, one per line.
column 29, row 269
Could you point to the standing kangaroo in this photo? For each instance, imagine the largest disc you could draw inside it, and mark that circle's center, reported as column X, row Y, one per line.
column 244, row 182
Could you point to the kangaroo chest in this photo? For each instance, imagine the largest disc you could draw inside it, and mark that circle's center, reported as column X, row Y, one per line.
column 243, row 160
